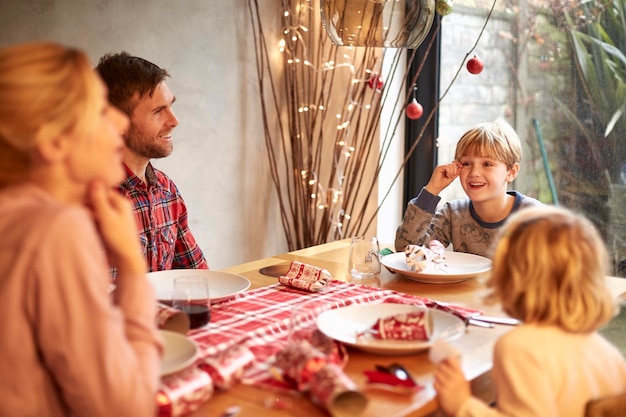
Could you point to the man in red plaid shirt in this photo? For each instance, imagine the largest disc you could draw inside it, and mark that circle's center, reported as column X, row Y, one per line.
column 138, row 88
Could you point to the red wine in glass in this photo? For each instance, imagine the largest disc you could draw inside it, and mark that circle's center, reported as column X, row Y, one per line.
column 191, row 295
column 199, row 314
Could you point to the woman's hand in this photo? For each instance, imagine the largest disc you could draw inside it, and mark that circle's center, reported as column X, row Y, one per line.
column 443, row 176
column 452, row 387
column 116, row 223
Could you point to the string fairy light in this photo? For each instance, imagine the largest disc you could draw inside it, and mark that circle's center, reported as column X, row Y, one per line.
column 337, row 158
column 296, row 44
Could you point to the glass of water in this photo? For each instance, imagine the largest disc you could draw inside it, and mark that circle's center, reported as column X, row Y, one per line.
column 364, row 259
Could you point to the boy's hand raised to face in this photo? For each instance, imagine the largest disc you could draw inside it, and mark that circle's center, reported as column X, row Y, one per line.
column 443, row 176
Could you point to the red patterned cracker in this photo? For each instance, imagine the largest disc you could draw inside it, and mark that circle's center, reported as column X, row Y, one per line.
column 306, row 277
column 300, row 361
column 184, row 392
column 406, row 326
column 438, row 251
column 227, row 368
column 334, row 351
column 332, row 389
column 420, row 258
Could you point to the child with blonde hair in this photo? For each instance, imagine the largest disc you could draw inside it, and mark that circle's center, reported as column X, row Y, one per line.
column 549, row 271
column 487, row 159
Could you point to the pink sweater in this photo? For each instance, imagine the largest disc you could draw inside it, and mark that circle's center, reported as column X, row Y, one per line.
column 67, row 346
column 545, row 372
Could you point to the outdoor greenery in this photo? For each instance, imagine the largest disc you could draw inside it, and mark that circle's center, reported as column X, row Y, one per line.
column 596, row 111
column 592, row 164
column 567, row 75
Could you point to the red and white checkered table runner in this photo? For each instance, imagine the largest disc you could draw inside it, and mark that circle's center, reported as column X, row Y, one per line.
column 259, row 321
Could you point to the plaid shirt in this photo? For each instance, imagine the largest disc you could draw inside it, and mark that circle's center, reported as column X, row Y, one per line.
column 161, row 214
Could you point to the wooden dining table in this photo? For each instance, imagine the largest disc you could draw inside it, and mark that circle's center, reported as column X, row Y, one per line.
column 476, row 345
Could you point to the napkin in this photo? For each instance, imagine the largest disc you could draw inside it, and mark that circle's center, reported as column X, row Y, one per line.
column 306, row 277
column 169, row 318
column 384, row 378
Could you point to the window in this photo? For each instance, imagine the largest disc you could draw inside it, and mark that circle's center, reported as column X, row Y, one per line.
column 556, row 70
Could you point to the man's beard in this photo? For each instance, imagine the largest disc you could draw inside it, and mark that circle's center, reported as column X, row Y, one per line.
column 147, row 147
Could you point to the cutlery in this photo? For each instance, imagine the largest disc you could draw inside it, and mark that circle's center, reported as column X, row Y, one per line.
column 480, row 323
column 393, row 377
column 495, row 320
column 397, row 371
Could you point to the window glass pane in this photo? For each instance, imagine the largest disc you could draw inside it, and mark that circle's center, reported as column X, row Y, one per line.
column 555, row 70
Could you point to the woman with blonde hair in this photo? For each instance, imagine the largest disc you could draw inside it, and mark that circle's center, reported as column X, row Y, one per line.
column 68, row 346
column 549, row 271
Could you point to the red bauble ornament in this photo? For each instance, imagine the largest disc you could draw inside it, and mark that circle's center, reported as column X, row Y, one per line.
column 375, row 82
column 475, row 65
column 414, row 110
column 544, row 64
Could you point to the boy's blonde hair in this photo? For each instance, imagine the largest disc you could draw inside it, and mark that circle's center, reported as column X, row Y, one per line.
column 496, row 140
column 549, row 268
column 46, row 89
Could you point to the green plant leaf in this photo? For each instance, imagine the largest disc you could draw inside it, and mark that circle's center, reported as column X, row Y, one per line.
column 616, row 116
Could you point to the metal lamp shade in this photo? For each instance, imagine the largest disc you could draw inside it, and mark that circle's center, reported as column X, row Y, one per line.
column 378, row 23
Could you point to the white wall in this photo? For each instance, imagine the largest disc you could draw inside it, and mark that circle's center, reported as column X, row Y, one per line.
column 219, row 160
column 473, row 98
column 219, row 156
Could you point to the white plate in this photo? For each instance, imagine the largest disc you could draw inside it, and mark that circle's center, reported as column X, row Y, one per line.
column 222, row 285
column 179, row 352
column 344, row 323
column 459, row 267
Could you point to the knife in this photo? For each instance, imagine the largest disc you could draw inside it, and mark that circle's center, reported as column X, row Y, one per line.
column 480, row 323
column 496, row 320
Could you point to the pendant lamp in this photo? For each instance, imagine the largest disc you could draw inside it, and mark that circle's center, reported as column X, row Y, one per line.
column 378, row 23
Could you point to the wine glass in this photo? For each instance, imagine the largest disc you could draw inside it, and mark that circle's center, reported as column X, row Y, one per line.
column 191, row 295
column 303, row 317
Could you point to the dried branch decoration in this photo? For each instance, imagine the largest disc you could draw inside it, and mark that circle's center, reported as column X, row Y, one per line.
column 321, row 114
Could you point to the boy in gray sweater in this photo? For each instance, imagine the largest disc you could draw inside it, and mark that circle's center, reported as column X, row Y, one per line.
column 486, row 160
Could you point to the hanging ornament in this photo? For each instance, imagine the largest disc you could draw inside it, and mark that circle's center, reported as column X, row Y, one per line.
column 376, row 82
column 414, row 110
column 475, row 65
column 544, row 63
column 444, row 7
